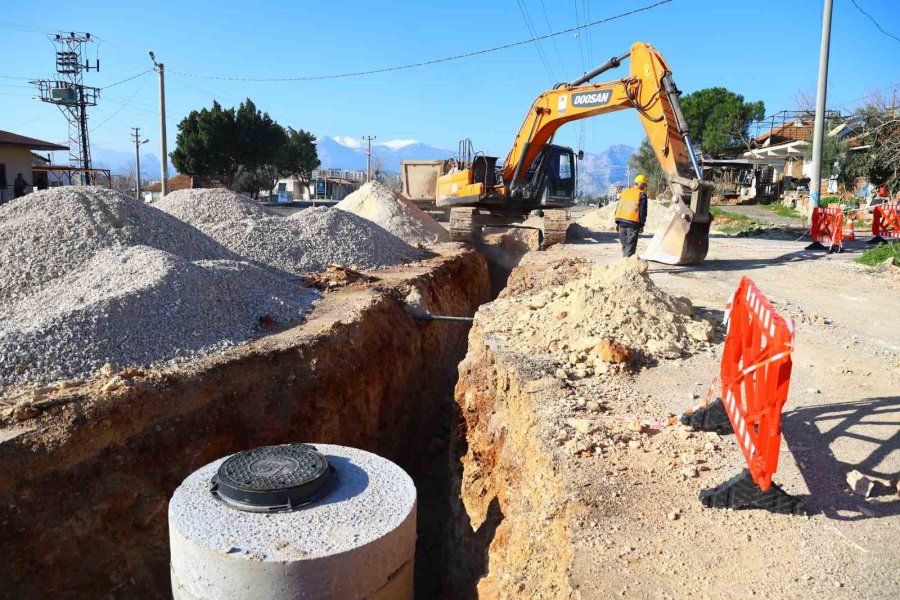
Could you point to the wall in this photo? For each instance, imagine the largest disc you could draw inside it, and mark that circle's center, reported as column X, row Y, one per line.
column 17, row 160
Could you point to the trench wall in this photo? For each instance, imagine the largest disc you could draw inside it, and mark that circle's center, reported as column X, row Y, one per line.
column 85, row 481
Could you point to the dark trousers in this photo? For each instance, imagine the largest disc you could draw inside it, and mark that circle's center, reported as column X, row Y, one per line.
column 628, row 235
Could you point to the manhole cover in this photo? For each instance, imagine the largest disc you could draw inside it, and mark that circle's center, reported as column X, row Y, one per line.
column 273, row 478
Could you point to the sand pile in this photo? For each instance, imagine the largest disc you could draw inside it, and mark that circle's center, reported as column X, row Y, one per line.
column 50, row 233
column 617, row 302
column 602, row 219
column 396, row 214
column 136, row 306
column 306, row 241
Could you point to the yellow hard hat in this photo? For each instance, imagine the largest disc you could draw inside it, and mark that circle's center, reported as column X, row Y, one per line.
column 640, row 179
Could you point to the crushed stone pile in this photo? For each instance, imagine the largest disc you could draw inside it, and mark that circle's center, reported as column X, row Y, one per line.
column 603, row 218
column 585, row 322
column 47, row 235
column 137, row 306
column 307, row 241
column 394, row 213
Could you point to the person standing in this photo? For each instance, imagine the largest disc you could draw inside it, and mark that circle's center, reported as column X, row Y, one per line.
column 631, row 214
column 19, row 186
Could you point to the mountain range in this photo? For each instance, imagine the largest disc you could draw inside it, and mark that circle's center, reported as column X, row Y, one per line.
column 596, row 172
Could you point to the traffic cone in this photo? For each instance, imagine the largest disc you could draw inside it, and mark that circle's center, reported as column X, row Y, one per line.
column 848, row 230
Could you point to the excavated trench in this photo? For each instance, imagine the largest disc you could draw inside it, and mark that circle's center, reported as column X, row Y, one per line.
column 86, row 472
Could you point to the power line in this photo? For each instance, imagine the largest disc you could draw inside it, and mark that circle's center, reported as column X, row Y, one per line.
column 527, row 18
column 433, row 61
column 118, row 110
column 876, row 23
column 562, row 63
column 128, row 79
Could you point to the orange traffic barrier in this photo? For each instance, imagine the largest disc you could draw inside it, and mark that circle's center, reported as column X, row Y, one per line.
column 885, row 222
column 755, row 375
column 827, row 229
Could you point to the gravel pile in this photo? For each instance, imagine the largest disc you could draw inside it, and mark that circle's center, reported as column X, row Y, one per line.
column 603, row 218
column 50, row 233
column 394, row 213
column 307, row 241
column 137, row 306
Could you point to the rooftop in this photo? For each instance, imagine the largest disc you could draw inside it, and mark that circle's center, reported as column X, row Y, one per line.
column 9, row 139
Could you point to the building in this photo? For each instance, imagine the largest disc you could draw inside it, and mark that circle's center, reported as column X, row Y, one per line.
column 16, row 157
column 152, row 192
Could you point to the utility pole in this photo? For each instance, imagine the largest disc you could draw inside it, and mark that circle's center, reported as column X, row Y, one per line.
column 369, row 139
column 136, row 134
column 815, row 181
column 164, row 159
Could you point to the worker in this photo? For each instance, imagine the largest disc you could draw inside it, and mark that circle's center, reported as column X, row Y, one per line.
column 19, row 186
column 631, row 214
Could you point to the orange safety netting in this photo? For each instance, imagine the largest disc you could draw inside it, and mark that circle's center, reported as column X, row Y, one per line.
column 755, row 374
column 886, row 221
column 827, row 226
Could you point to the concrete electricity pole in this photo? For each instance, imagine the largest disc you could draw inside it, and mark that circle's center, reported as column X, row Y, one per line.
column 136, row 134
column 815, row 181
column 369, row 139
column 164, row 159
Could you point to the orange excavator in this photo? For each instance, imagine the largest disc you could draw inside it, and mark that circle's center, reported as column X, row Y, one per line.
column 538, row 175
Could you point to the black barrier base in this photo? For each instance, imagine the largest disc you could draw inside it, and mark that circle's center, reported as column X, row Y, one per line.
column 712, row 417
column 876, row 240
column 740, row 492
column 818, row 246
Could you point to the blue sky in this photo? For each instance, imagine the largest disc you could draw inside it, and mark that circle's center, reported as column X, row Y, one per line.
column 766, row 50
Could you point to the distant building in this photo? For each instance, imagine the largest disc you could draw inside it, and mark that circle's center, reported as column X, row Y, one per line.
column 16, row 157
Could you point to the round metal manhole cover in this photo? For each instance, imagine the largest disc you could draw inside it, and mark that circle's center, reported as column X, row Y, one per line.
column 273, row 478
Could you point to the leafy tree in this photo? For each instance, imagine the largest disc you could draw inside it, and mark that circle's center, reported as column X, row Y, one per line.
column 224, row 144
column 719, row 119
column 644, row 161
column 881, row 161
column 299, row 157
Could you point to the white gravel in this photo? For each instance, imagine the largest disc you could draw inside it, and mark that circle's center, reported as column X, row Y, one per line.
column 137, row 306
column 46, row 235
column 394, row 213
column 306, row 241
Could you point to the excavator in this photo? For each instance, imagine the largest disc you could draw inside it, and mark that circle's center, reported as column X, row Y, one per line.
column 540, row 176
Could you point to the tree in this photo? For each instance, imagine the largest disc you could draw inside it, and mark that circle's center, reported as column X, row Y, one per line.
column 880, row 163
column 719, row 119
column 299, row 157
column 224, row 144
column 644, row 161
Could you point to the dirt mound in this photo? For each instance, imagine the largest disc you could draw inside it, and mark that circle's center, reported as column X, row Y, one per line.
column 47, row 235
column 398, row 215
column 136, row 306
column 603, row 218
column 305, row 242
column 617, row 303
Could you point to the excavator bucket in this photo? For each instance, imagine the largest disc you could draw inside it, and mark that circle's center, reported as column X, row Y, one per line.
column 683, row 236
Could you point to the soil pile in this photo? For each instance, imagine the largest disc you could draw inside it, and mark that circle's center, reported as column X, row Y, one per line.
column 46, row 235
column 603, row 218
column 136, row 306
column 307, row 241
column 578, row 321
column 398, row 215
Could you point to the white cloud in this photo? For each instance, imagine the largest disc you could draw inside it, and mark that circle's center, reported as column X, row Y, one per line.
column 397, row 144
column 346, row 140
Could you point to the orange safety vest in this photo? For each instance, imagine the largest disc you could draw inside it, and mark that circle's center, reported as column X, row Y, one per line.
column 628, row 208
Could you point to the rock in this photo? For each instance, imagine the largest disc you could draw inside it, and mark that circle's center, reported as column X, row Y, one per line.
column 885, row 265
column 813, row 391
column 636, row 426
column 689, row 472
column 562, row 435
column 23, row 412
column 613, row 352
column 581, row 372
column 634, row 444
column 673, row 516
column 580, row 425
column 684, row 433
column 561, row 374
column 113, row 384
column 108, row 370
column 859, row 483
column 702, row 331
column 684, row 306
column 663, row 349
column 592, row 405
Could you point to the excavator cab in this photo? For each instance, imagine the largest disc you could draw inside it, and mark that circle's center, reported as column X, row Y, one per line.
column 551, row 179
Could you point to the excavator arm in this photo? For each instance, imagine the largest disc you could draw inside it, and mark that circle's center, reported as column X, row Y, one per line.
column 650, row 91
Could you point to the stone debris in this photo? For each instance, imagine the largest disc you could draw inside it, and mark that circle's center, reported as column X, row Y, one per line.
column 137, row 306
column 396, row 214
column 610, row 313
column 603, row 218
column 859, row 483
column 307, row 241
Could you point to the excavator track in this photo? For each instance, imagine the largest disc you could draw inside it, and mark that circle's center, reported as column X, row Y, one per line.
column 463, row 223
column 556, row 223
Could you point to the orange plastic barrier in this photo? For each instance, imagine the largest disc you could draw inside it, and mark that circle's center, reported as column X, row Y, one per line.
column 827, row 229
column 886, row 222
column 755, row 375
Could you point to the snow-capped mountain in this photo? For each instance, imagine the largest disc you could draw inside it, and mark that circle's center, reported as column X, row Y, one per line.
column 598, row 171
column 344, row 152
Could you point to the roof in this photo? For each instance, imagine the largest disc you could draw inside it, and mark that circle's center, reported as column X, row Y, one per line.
column 9, row 139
